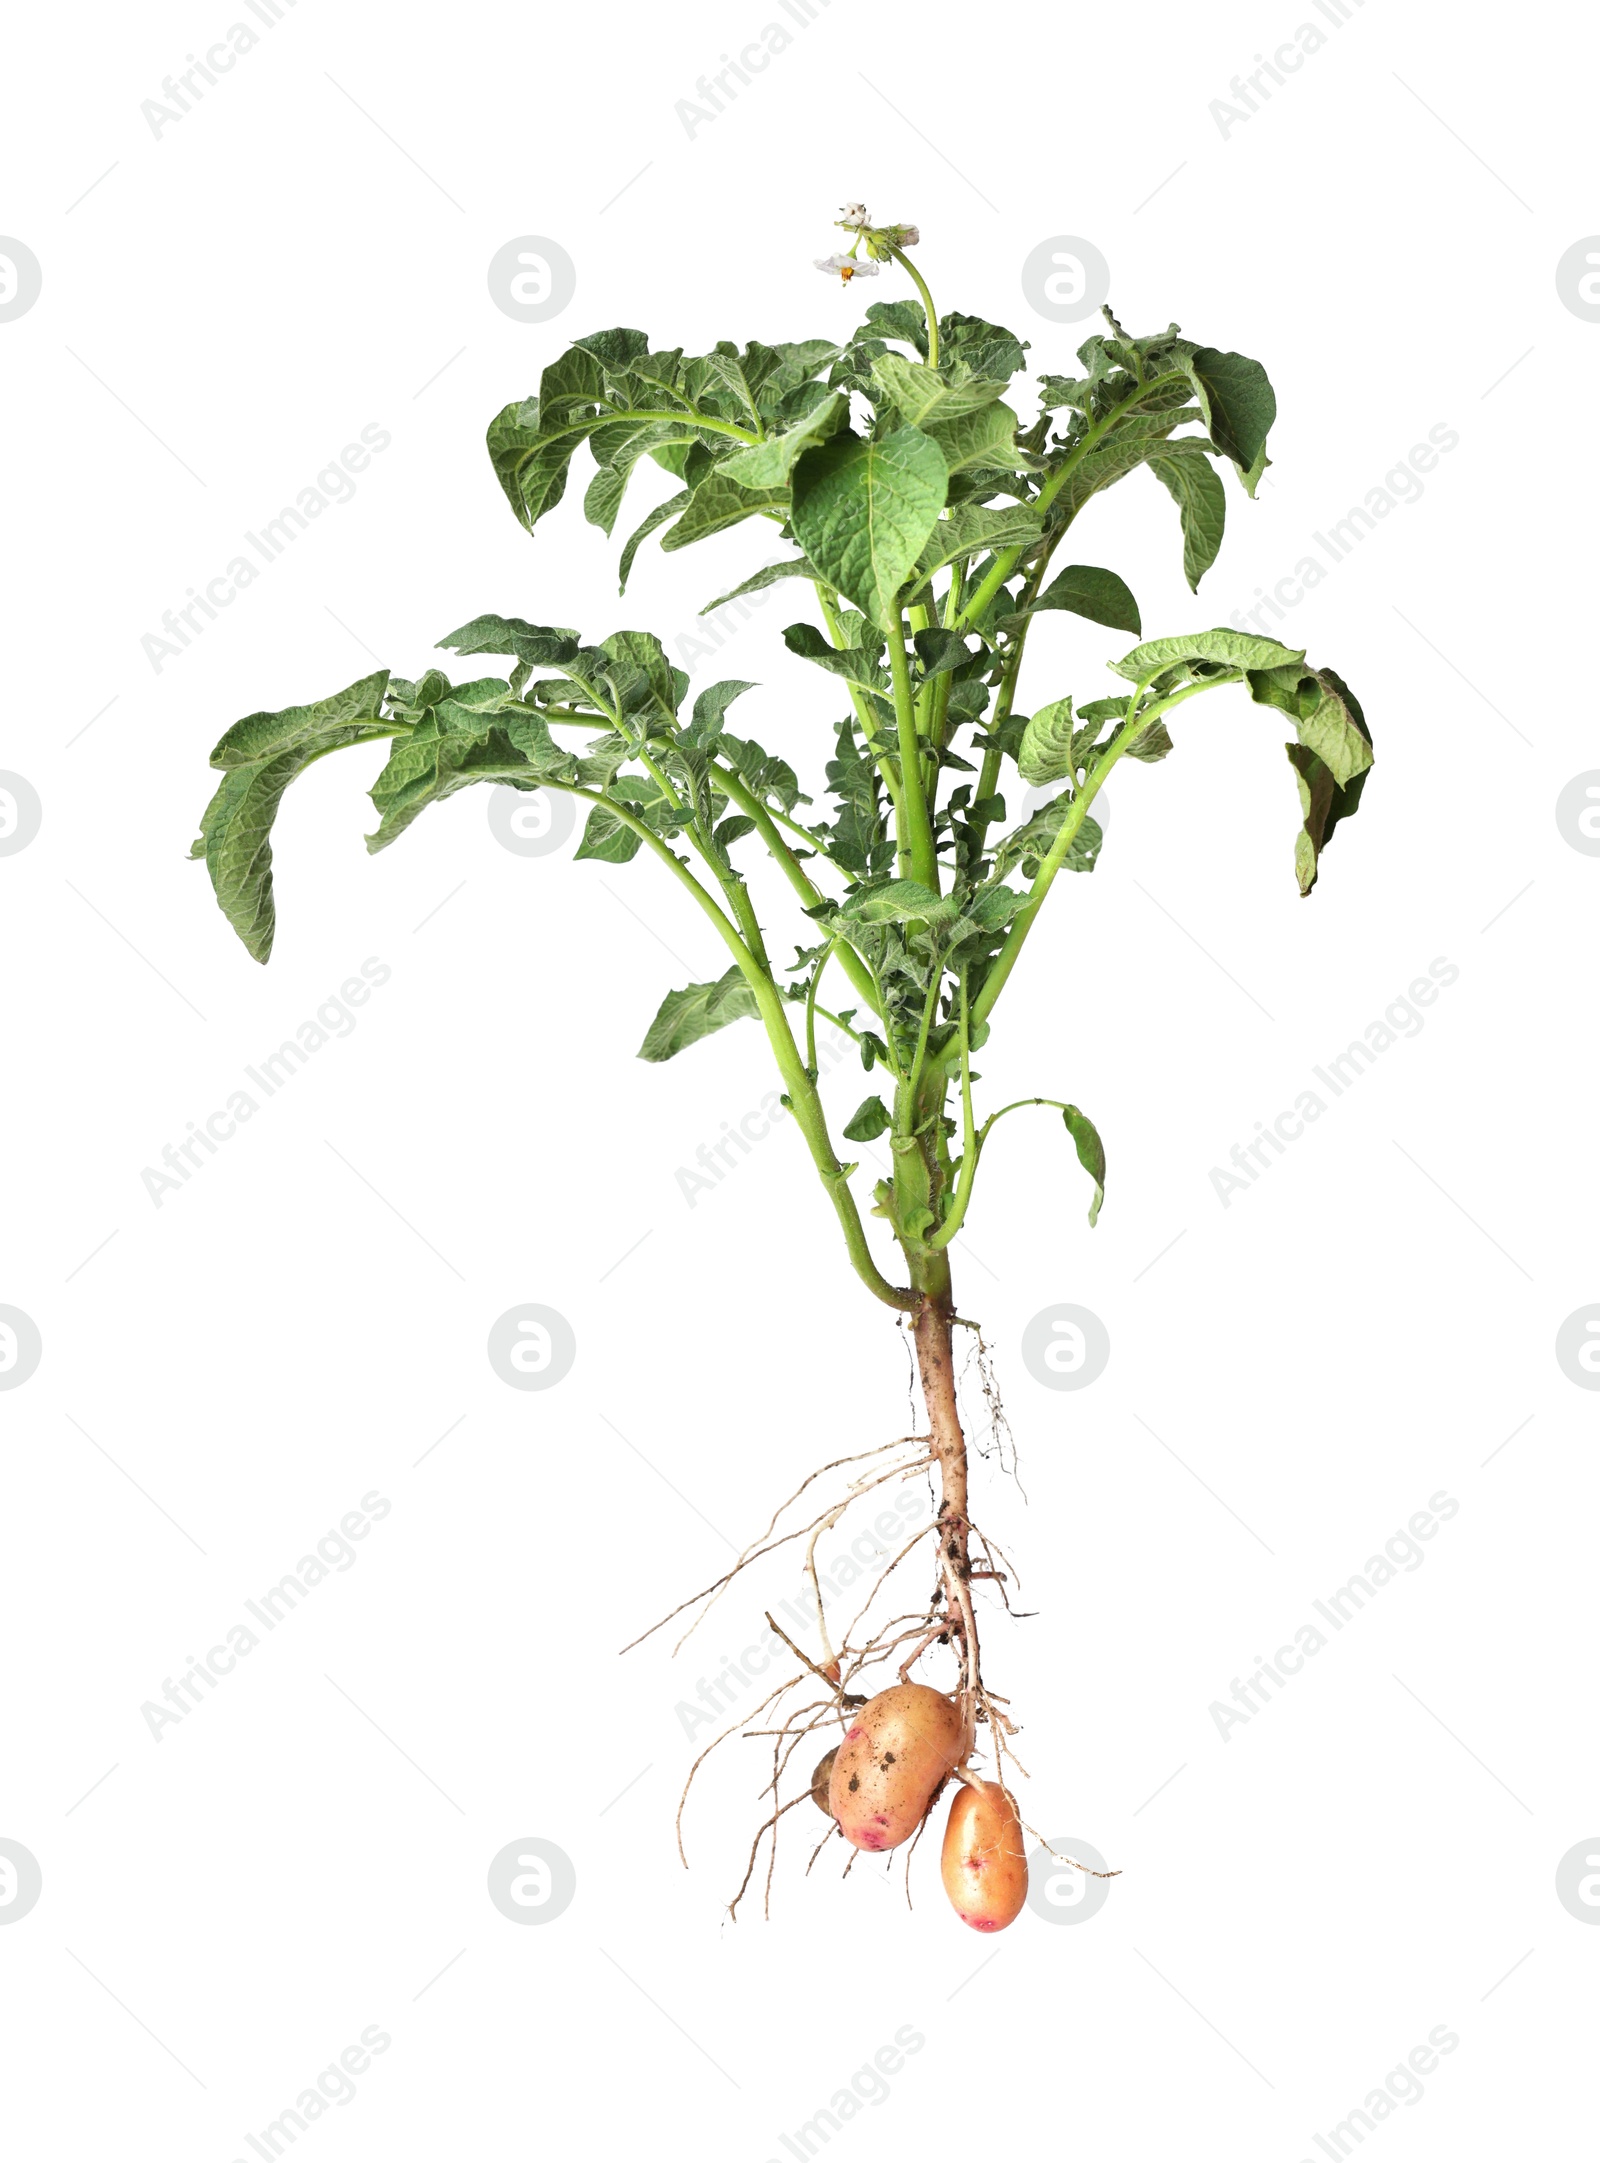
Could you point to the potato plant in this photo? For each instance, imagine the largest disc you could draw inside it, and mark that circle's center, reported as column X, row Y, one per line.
column 924, row 520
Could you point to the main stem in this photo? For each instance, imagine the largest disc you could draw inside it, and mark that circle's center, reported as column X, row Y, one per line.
column 933, row 1330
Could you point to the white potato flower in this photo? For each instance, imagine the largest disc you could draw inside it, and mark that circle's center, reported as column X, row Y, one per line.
column 846, row 267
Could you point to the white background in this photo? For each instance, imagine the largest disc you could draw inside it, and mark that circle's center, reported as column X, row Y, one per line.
column 303, row 1855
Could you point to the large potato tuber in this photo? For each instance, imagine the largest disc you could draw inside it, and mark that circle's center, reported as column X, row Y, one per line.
column 896, row 1752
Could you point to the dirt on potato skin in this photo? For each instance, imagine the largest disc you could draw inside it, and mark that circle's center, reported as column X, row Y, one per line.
column 896, row 1754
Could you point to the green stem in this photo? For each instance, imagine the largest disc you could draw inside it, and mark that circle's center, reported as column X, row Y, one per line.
column 783, row 856
column 919, row 833
column 989, row 774
column 766, row 820
column 689, row 420
column 854, row 1035
column 919, row 618
column 971, row 1142
column 869, row 727
column 664, row 785
column 1021, row 1104
column 928, row 1007
column 938, row 729
column 744, row 908
column 811, row 1006
column 732, row 885
column 400, row 728
column 928, row 308
column 888, row 1032
column 803, row 833
column 972, row 1151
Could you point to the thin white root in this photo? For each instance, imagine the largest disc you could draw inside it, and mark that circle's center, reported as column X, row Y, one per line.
column 857, row 1457
column 1071, row 1860
column 756, row 1554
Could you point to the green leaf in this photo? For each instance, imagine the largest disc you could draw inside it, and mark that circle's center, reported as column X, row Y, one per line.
column 1091, row 1155
column 868, row 1121
column 1185, row 471
column 602, row 499
column 856, row 664
column 235, row 831
column 698, row 1010
column 710, row 711
column 533, row 474
column 261, row 755
column 780, row 395
column 922, row 394
column 1099, row 595
column 985, row 438
column 451, row 749
column 1324, row 801
column 862, row 512
column 767, row 778
column 851, row 370
column 768, row 575
column 642, row 532
column 1336, row 730
column 531, row 444
column 458, row 706
column 606, row 840
column 1293, row 688
column 969, row 698
column 1326, row 717
column 1045, row 753
column 586, row 683
column 1320, row 810
column 897, row 901
column 1213, row 649
column 723, row 366
column 940, row 651
column 649, row 685
column 971, row 530
column 716, row 504
column 597, row 389
column 576, row 380
column 411, row 701
column 768, row 465
column 902, row 319
column 1032, row 843
column 530, row 734
column 603, row 755
column 617, row 448
column 985, row 348
column 539, row 645
column 1152, row 743
column 348, row 716
column 1236, row 401
column 1239, row 406
column 992, row 909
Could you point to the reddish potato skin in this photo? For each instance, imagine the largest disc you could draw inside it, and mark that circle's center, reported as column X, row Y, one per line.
column 899, row 1747
column 983, row 1865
